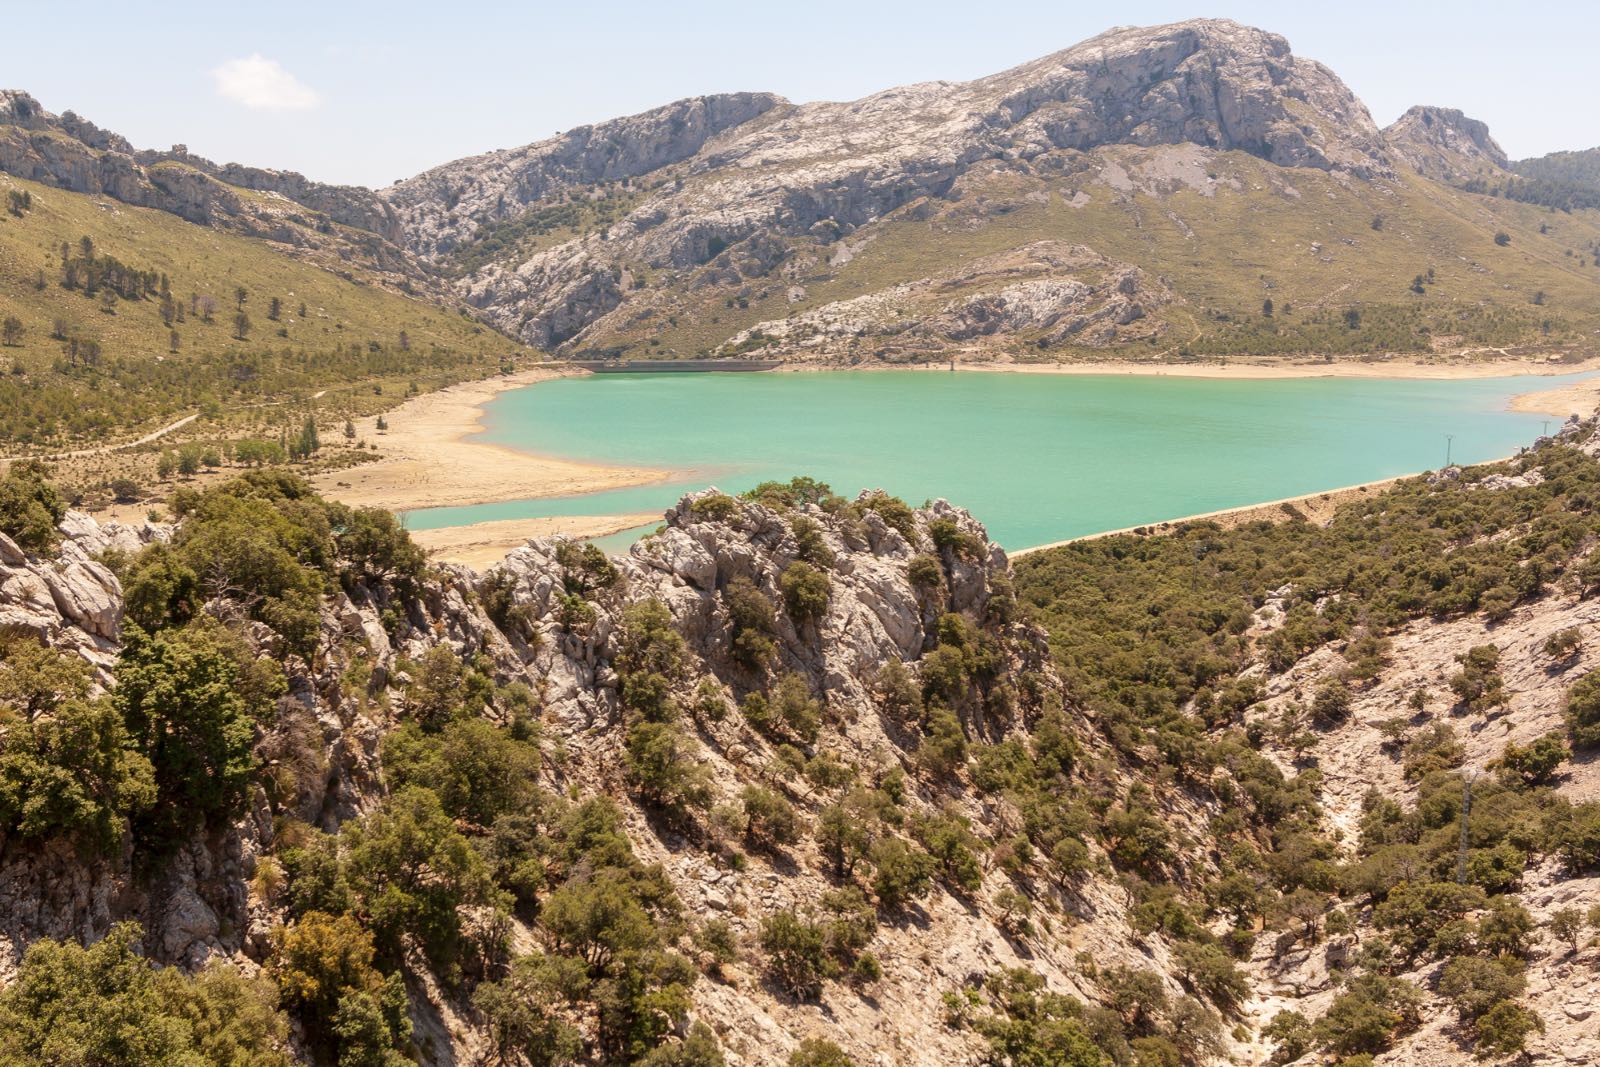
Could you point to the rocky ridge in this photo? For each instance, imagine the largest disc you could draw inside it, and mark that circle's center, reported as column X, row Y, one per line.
column 204, row 903
column 308, row 219
column 1443, row 144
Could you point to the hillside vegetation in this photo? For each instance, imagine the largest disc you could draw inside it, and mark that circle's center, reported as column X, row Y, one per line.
column 150, row 326
column 797, row 774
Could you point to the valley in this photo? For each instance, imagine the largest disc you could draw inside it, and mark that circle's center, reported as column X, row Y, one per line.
column 1131, row 600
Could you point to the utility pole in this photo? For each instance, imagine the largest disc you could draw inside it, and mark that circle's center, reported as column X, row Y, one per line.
column 1449, row 439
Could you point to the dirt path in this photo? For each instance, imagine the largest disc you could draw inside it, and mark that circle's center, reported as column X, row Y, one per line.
column 100, row 450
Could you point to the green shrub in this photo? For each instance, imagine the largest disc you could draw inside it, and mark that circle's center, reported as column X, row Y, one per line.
column 1583, row 712
column 754, row 622
column 819, row 1052
column 713, row 507
column 30, row 507
column 797, row 953
column 896, row 513
column 1368, row 1015
column 105, row 1004
column 805, row 592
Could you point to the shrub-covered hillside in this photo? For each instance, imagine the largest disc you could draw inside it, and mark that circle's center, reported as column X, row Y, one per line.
column 797, row 781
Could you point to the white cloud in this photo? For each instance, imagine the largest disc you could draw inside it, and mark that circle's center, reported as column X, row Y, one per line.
column 262, row 84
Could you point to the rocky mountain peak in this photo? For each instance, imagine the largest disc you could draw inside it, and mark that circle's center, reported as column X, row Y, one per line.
column 1444, row 144
column 1211, row 82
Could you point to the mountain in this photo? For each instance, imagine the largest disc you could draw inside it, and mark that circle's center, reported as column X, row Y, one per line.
column 1575, row 168
column 1173, row 192
column 800, row 780
column 1445, row 145
column 1144, row 192
column 139, row 288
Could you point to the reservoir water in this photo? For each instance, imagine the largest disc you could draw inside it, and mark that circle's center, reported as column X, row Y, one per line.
column 1037, row 458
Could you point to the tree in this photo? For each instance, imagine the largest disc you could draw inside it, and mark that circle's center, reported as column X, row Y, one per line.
column 522, row 1010
column 1502, row 238
column 805, row 592
column 411, row 870
column 1582, row 712
column 274, row 309
column 70, row 772
column 183, row 697
column 1566, row 925
column 797, row 953
column 11, row 331
column 30, row 507
column 349, row 430
column 323, row 965
column 241, row 325
column 105, row 1004
column 1266, row 308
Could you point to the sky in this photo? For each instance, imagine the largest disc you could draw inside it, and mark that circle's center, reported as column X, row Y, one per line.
column 368, row 93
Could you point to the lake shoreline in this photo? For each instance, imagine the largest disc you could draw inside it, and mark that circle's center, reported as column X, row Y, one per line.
column 429, row 460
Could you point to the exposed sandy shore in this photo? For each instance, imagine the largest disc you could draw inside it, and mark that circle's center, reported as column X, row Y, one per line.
column 484, row 544
column 1313, row 507
column 429, row 463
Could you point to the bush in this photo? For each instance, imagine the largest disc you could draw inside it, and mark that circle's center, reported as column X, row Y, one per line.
column 797, row 953
column 479, row 771
column 523, row 1010
column 1504, row 1030
column 1368, row 1015
column 770, row 820
column 805, row 592
column 713, row 507
column 1583, row 712
column 819, row 1052
column 1536, row 764
column 1473, row 984
column 896, row 513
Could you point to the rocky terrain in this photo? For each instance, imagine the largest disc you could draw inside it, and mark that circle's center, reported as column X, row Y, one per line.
column 814, row 716
column 1205, row 154
column 322, row 223
column 693, row 229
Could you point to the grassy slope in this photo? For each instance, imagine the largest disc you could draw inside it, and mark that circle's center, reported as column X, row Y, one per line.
column 1227, row 252
column 316, row 354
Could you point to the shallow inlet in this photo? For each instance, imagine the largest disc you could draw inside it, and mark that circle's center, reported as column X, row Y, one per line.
column 1036, row 458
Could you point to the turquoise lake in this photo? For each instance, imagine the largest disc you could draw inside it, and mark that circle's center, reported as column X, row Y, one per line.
column 1037, row 458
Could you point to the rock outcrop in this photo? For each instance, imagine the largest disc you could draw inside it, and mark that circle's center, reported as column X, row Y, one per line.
column 303, row 217
column 737, row 184
column 203, row 902
column 1443, row 144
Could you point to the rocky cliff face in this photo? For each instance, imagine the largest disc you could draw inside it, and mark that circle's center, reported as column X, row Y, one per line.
column 1445, row 145
column 206, row 903
column 740, row 188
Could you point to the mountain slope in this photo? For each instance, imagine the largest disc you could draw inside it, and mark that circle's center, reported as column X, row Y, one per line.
column 1205, row 155
column 798, row 768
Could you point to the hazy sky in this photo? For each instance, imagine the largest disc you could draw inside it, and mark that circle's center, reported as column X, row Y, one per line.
column 354, row 91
